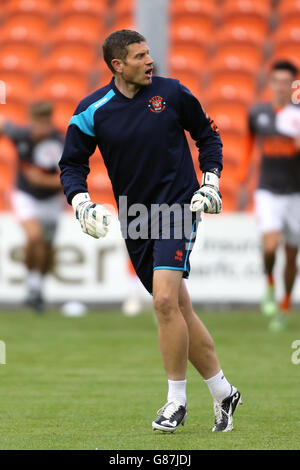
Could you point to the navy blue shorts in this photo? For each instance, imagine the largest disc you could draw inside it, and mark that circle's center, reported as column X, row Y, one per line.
column 148, row 255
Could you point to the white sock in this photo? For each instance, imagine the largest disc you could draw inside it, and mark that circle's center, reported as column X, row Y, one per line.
column 34, row 281
column 177, row 389
column 219, row 386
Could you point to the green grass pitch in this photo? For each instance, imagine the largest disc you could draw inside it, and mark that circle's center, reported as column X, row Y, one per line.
column 96, row 383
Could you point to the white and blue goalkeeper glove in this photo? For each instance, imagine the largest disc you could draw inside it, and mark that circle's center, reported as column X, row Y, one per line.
column 93, row 218
column 208, row 198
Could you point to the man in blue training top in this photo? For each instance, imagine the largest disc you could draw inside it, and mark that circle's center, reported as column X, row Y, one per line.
column 138, row 122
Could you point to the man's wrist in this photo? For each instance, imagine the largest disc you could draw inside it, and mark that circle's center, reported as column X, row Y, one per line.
column 80, row 198
column 211, row 178
column 215, row 170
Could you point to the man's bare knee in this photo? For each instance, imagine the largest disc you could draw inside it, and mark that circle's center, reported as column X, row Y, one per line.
column 271, row 242
column 33, row 231
column 166, row 285
column 291, row 253
column 164, row 305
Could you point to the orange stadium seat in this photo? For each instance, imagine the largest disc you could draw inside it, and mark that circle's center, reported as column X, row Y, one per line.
column 228, row 115
column 91, row 7
column 194, row 150
column 229, row 204
column 288, row 30
column 96, row 163
column 15, row 110
column 287, row 8
column 20, row 57
column 81, row 34
column 91, row 24
column 5, row 189
column 233, row 144
column 229, row 195
column 286, row 42
column 289, row 22
column 237, row 55
column 121, row 15
column 233, row 62
column 286, row 34
column 241, row 33
column 18, row 85
column 262, row 8
column 7, row 172
column 100, row 188
column 8, row 153
column 186, row 58
column 7, row 178
column 70, row 56
column 104, row 195
column 105, row 75
column 43, row 8
column 230, row 166
column 256, row 24
column 25, row 27
column 62, row 113
column 191, row 81
column 123, row 7
column 191, row 29
column 192, row 7
column 63, row 86
column 122, row 22
column 232, row 86
column 229, row 174
column 287, row 51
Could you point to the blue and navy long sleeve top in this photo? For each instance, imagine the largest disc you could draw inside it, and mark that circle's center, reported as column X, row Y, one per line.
column 142, row 141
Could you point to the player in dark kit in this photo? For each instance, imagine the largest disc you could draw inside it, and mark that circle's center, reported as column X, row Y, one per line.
column 275, row 126
column 37, row 201
column 138, row 123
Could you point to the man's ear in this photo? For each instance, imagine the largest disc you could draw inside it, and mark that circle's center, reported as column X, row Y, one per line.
column 117, row 65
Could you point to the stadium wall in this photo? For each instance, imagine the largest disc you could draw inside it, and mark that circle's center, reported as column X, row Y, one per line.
column 226, row 264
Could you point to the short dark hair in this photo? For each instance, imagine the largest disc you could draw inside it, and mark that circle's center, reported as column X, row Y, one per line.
column 41, row 108
column 285, row 65
column 115, row 45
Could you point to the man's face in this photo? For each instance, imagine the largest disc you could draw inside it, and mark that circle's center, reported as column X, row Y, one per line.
column 281, row 84
column 41, row 127
column 138, row 65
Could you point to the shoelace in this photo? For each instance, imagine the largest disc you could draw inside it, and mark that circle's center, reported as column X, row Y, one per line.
column 169, row 409
column 219, row 412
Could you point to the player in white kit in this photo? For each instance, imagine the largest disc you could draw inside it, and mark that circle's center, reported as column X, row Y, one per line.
column 37, row 199
column 275, row 126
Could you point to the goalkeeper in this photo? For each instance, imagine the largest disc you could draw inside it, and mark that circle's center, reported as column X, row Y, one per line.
column 138, row 122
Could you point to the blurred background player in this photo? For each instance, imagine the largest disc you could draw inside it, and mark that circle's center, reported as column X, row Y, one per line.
column 36, row 200
column 275, row 126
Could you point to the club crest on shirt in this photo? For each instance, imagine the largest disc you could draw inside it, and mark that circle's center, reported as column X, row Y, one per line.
column 157, row 104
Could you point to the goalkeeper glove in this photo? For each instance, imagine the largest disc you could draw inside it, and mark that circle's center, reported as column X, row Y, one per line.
column 208, row 198
column 93, row 218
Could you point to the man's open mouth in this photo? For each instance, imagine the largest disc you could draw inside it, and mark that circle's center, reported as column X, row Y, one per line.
column 149, row 73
